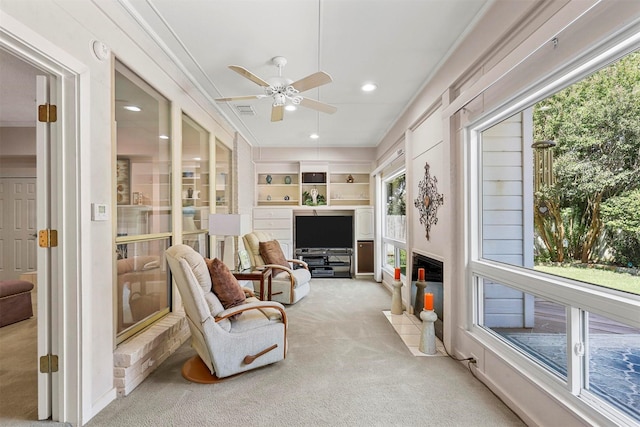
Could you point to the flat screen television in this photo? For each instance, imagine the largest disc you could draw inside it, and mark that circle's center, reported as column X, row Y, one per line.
column 326, row 232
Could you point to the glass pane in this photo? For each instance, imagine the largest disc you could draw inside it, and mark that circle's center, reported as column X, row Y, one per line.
column 143, row 281
column 395, row 215
column 390, row 256
column 143, row 157
column 614, row 363
column 224, row 202
column 195, row 185
column 533, row 325
column 143, row 194
column 560, row 189
column 403, row 261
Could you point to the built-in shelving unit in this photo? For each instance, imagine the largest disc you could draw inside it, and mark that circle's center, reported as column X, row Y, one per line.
column 278, row 189
column 349, row 189
column 195, row 195
column 292, row 184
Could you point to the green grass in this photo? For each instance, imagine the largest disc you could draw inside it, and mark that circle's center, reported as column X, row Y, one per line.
column 609, row 279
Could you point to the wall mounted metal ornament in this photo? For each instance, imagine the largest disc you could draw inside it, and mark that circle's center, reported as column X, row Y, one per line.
column 428, row 200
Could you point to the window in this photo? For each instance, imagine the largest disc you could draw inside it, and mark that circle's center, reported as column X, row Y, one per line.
column 555, row 250
column 224, row 193
column 143, row 196
column 395, row 222
column 195, row 186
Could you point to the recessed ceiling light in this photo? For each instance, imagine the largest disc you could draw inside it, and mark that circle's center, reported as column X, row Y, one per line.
column 314, row 136
column 290, row 107
column 369, row 87
column 132, row 108
column 164, row 137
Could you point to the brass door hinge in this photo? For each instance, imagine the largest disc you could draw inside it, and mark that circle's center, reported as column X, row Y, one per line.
column 47, row 113
column 48, row 238
column 48, row 363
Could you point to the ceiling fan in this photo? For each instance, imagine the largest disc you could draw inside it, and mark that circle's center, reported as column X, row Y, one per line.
column 283, row 90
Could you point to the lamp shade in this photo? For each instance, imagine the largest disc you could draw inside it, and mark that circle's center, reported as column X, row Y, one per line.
column 225, row 224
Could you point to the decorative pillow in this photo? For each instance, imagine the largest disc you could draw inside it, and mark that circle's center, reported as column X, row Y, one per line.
column 224, row 284
column 271, row 253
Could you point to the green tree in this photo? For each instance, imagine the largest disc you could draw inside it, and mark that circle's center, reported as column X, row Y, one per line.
column 396, row 191
column 621, row 216
column 595, row 124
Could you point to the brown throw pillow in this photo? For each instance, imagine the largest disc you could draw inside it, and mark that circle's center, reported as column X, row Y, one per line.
column 224, row 284
column 271, row 253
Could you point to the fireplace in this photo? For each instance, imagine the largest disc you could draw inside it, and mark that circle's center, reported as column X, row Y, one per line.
column 433, row 276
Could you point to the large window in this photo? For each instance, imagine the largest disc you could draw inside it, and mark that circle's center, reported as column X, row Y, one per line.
column 143, row 197
column 395, row 222
column 554, row 265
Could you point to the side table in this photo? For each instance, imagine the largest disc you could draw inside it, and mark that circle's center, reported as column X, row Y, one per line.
column 259, row 275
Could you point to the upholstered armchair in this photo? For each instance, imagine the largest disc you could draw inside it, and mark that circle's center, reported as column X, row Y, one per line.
column 247, row 334
column 288, row 286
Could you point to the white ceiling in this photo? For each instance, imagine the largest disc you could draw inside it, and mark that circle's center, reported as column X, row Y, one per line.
column 397, row 44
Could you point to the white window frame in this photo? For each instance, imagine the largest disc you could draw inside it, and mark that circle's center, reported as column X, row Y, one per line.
column 578, row 297
column 397, row 244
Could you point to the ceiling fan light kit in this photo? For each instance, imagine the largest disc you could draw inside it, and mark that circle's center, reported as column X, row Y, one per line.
column 284, row 91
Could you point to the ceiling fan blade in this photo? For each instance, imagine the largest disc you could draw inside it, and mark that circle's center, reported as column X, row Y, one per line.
column 249, row 75
column 240, row 98
column 314, row 80
column 277, row 113
column 317, row 105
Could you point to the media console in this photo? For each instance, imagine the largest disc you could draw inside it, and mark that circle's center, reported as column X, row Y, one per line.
column 335, row 262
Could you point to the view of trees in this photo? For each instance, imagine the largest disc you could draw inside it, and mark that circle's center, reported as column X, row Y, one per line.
column 591, row 207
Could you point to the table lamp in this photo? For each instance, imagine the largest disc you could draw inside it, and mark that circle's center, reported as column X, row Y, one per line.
column 225, row 225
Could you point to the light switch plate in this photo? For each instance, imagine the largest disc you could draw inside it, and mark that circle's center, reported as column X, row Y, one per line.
column 99, row 212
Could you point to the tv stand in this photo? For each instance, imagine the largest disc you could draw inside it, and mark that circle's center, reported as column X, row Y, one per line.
column 327, row 262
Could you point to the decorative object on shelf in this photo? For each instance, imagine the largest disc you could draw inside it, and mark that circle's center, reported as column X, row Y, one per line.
column 287, row 179
column 188, row 174
column 269, row 179
column 308, row 200
column 314, row 196
column 269, row 197
column 286, row 198
column 428, row 200
column 350, row 178
column 123, row 183
column 189, row 193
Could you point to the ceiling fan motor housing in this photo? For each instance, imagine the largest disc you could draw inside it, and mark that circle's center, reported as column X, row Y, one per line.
column 280, row 89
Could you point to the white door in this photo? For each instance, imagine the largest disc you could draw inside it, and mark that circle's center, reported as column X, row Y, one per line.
column 43, row 166
column 17, row 227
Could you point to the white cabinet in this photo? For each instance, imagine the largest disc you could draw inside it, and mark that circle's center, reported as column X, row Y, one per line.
column 278, row 222
column 364, row 223
column 364, row 248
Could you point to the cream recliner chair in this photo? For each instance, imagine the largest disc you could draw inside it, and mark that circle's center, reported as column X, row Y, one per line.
column 226, row 342
column 288, row 286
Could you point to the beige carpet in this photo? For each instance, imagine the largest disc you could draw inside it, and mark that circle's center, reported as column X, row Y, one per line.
column 346, row 366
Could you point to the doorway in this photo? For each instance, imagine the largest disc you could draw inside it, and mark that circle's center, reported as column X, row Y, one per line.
column 18, row 233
